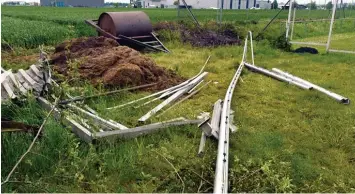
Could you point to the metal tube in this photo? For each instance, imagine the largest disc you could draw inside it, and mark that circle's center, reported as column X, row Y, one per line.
column 173, row 97
column 221, row 177
column 190, row 91
column 221, row 172
column 163, row 91
column 293, row 22
column 331, row 25
column 341, row 51
column 185, row 98
column 308, row 43
column 289, row 18
column 202, row 144
column 168, row 93
column 276, row 76
column 145, row 129
column 251, row 46
column 191, row 14
column 339, row 98
column 98, row 119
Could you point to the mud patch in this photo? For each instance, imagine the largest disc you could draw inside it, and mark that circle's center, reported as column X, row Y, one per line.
column 102, row 60
column 306, row 50
column 205, row 36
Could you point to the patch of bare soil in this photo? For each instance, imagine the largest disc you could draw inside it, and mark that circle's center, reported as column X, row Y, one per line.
column 102, row 60
column 11, row 58
column 200, row 36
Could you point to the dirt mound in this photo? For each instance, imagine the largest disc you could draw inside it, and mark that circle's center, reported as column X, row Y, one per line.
column 102, row 60
column 201, row 36
column 206, row 38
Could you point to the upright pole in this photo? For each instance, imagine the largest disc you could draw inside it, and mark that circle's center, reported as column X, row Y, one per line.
column 289, row 18
column 293, row 22
column 331, row 25
column 178, row 13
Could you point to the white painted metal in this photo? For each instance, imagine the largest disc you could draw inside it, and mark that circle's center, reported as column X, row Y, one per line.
column 36, row 71
column 341, row 51
column 232, row 127
column 293, row 22
column 216, row 117
column 16, row 83
column 27, row 78
column 8, row 89
column 289, row 18
column 202, row 144
column 3, row 76
column 189, row 92
column 339, row 98
column 22, row 81
column 331, row 24
column 168, row 93
column 98, row 119
column 145, row 129
column 76, row 128
column 185, row 98
column 251, row 46
column 173, row 97
column 308, row 43
column 276, row 76
column 221, row 172
column 163, row 91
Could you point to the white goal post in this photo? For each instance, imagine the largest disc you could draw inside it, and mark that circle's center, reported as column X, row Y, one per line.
column 290, row 27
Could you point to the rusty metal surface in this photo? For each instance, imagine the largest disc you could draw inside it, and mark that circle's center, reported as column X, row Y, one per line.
column 134, row 23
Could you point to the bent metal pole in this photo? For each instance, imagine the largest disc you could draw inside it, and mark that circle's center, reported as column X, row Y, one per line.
column 337, row 97
column 221, row 172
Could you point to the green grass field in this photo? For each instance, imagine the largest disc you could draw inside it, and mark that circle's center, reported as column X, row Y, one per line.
column 288, row 139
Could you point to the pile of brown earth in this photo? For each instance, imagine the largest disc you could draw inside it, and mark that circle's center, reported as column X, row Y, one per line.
column 102, row 60
column 200, row 36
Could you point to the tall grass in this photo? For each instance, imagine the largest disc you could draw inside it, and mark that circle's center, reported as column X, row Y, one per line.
column 29, row 27
column 288, row 139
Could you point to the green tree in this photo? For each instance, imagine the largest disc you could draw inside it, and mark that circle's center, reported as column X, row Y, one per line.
column 176, row 2
column 313, row 5
column 274, row 4
column 329, row 5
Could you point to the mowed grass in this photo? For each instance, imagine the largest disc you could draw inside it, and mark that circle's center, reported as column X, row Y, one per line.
column 29, row 27
column 302, row 141
column 307, row 130
column 338, row 41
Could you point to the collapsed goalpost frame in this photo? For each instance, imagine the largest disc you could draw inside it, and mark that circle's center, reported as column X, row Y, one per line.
column 290, row 26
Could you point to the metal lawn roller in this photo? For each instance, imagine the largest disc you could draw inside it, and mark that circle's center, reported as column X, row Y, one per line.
column 132, row 29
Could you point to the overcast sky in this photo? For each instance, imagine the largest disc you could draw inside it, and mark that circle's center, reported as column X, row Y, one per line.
column 127, row 1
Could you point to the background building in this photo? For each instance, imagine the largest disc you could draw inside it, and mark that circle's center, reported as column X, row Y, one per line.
column 74, row 3
column 209, row 4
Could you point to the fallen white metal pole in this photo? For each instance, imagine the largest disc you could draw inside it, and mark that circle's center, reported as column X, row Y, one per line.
column 145, row 129
column 97, row 118
column 185, row 98
column 164, row 92
column 337, row 97
column 276, row 76
column 202, row 144
column 173, row 97
column 221, row 177
column 168, row 93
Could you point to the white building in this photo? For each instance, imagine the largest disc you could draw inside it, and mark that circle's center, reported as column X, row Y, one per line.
column 210, row 4
column 158, row 3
